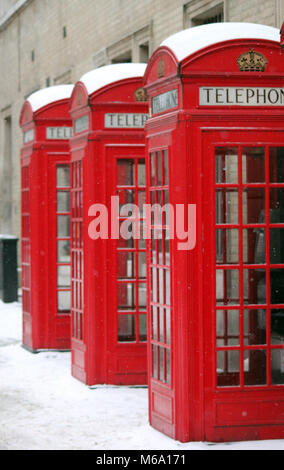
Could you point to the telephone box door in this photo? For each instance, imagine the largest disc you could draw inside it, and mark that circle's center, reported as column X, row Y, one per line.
column 244, row 277
column 127, row 319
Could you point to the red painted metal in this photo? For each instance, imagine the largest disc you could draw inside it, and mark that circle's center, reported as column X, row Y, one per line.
column 221, row 381
column 45, row 228
column 103, row 350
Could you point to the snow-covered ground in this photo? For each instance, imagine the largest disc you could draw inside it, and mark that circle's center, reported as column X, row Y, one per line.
column 43, row 407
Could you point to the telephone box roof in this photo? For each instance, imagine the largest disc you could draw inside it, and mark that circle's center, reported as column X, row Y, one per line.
column 102, row 76
column 189, row 41
column 43, row 97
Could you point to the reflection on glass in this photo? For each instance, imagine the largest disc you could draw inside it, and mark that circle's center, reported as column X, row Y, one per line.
column 142, row 292
column 63, row 276
column 142, row 328
column 64, row 301
column 141, row 173
column 254, row 286
column 166, row 168
column 154, row 248
column 63, row 225
column 161, row 363
column 168, row 287
column 63, row 201
column 154, row 322
column 277, row 326
column 228, row 329
column 126, row 328
column 63, row 176
column 125, row 265
column 254, row 367
column 168, row 364
column 253, row 205
column 161, row 324
column 126, row 196
column 228, row 368
column 153, row 168
column 276, row 159
column 227, row 206
column 277, row 246
column 159, row 169
column 63, row 251
column 142, row 265
column 254, row 327
column 154, row 363
column 253, row 165
column 154, row 284
column 227, row 286
column 227, row 246
column 125, row 172
column 254, row 246
column 226, row 165
column 168, row 326
column 161, row 286
column 277, row 367
column 126, row 296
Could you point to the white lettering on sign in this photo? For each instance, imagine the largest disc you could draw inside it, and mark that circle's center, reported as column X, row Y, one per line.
column 129, row 120
column 81, row 124
column 29, row 136
column 241, row 96
column 165, row 101
column 59, row 133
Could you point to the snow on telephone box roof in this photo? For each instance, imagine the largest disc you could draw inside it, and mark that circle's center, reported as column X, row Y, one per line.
column 102, row 76
column 189, row 41
column 49, row 95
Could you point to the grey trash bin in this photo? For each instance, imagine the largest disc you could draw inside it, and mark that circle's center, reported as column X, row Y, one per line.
column 8, row 268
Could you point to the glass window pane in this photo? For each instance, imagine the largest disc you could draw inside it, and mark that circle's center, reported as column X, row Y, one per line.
column 277, row 205
column 253, row 165
column 125, row 265
column 63, row 201
column 63, row 276
column 142, row 265
column 154, row 285
column 125, row 174
column 254, row 286
column 254, row 327
column 154, row 322
column 254, row 367
column 277, row 326
column 63, row 226
column 154, row 248
column 166, row 168
column 64, row 301
column 277, row 286
column 142, row 296
column 168, row 365
column 276, row 159
column 227, row 246
column 153, row 168
column 154, row 362
column 161, row 286
column 227, row 287
column 63, row 176
column 126, row 196
column 141, row 173
column 143, row 327
column 228, row 329
column 161, row 363
column 168, row 287
column 226, row 165
column 277, row 367
column 126, row 296
column 228, row 368
column 254, row 246
column 126, row 234
column 126, row 328
column 253, row 205
column 159, row 169
column 227, row 206
column 277, row 246
column 161, row 324
column 63, row 251
column 168, row 326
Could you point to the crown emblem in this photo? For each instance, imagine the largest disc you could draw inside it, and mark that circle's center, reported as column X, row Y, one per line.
column 252, row 62
column 161, row 68
column 141, row 94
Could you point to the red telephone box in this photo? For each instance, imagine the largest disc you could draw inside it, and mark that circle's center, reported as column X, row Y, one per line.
column 215, row 140
column 45, row 167
column 109, row 109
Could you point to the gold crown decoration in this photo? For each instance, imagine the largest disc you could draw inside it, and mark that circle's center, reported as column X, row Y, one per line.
column 252, row 62
column 161, row 68
column 141, row 94
column 79, row 98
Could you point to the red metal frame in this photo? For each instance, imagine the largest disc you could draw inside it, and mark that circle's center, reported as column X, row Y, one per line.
column 45, row 324
column 98, row 354
column 198, row 403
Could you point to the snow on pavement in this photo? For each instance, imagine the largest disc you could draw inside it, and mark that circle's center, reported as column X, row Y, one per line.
column 42, row 407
